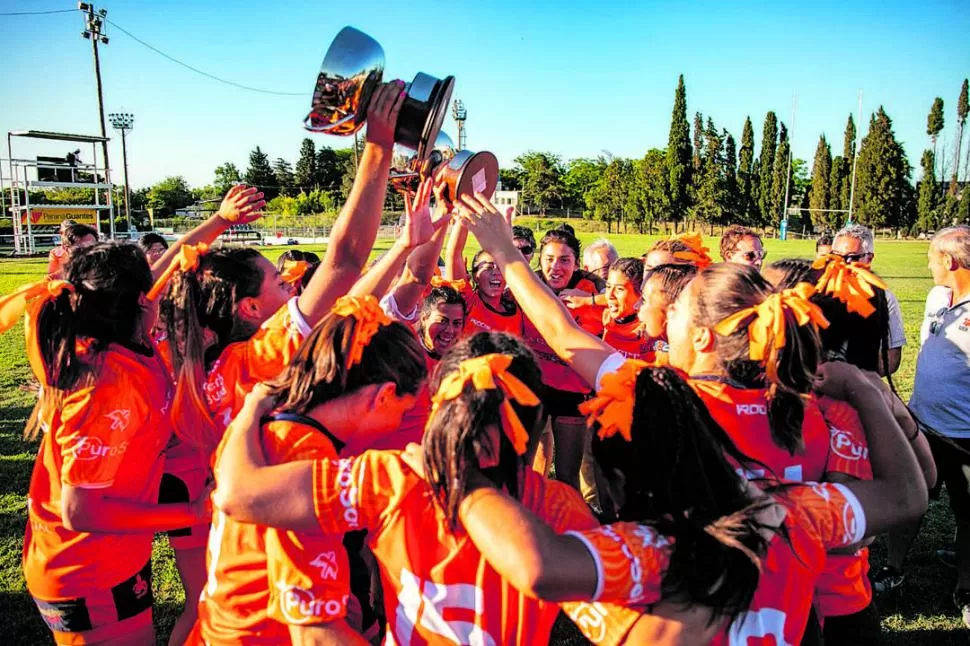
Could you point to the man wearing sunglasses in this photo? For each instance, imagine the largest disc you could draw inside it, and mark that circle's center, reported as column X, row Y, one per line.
column 855, row 243
column 743, row 246
column 525, row 240
column 941, row 392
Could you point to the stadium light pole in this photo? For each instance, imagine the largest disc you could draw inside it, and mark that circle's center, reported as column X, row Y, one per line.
column 93, row 24
column 124, row 122
column 855, row 158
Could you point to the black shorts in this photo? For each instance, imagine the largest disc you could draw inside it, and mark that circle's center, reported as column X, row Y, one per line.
column 953, row 469
column 858, row 629
column 563, row 403
column 173, row 490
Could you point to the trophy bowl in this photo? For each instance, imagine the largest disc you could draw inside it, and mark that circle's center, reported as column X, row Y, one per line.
column 465, row 172
column 351, row 72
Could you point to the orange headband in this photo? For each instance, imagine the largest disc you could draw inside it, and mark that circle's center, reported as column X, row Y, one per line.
column 850, row 283
column 766, row 321
column 370, row 318
column 187, row 259
column 28, row 300
column 612, row 407
column 699, row 255
column 293, row 271
column 490, row 372
column 457, row 285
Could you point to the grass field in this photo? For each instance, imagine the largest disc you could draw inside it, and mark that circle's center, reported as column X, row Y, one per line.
column 919, row 613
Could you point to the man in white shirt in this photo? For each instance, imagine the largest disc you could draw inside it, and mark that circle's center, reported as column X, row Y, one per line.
column 855, row 244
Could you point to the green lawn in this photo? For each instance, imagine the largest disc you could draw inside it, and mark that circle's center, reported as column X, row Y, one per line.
column 919, row 613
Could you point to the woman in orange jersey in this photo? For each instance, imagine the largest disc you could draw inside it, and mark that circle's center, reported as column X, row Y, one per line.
column 437, row 588
column 348, row 385
column 691, row 498
column 102, row 410
column 490, row 308
column 661, row 287
column 622, row 328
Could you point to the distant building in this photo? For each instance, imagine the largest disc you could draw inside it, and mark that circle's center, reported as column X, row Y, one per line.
column 505, row 199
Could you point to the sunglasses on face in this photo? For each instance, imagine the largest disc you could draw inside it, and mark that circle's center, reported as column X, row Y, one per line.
column 853, row 257
column 752, row 256
column 526, row 250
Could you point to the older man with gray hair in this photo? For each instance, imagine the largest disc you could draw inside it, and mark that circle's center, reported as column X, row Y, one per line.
column 854, row 243
column 598, row 256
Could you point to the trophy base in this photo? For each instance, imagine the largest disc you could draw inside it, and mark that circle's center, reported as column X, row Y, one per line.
column 469, row 173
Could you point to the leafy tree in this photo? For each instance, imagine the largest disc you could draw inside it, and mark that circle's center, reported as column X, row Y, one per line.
column 746, row 174
column 607, row 199
column 305, row 173
column 730, row 161
column 698, row 140
column 284, row 176
column 170, row 194
column 541, row 179
column 818, row 199
column 837, row 177
column 848, row 154
column 934, row 121
column 712, row 205
column 963, row 210
column 208, row 193
column 780, row 177
column 260, row 174
column 679, row 154
column 226, row 176
column 510, row 178
column 926, row 205
column 882, row 177
column 769, row 137
column 580, row 177
column 963, row 108
column 653, row 186
column 330, row 166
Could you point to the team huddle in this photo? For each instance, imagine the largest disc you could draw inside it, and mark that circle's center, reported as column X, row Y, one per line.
column 667, row 449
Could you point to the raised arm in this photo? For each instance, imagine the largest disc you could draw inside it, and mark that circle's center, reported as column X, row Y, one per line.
column 455, row 252
column 355, row 230
column 584, row 352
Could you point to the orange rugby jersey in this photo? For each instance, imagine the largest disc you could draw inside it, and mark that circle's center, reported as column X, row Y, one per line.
column 633, row 558
column 481, row 317
column 844, row 586
column 245, row 363
column 743, row 414
column 438, row 588
column 626, row 336
column 106, row 436
column 261, row 579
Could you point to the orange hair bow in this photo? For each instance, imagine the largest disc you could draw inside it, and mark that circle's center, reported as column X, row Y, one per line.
column 187, row 259
column 458, row 285
column 699, row 255
column 490, row 372
column 370, row 318
column 28, row 300
column 613, row 404
column 851, row 283
column 767, row 326
column 294, row 270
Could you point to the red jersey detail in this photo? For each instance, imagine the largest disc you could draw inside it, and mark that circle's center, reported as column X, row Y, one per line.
column 629, row 340
column 482, row 318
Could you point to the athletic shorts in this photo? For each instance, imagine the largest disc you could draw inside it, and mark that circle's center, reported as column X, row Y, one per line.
column 562, row 403
column 952, row 456
column 858, row 629
column 185, row 487
column 103, row 614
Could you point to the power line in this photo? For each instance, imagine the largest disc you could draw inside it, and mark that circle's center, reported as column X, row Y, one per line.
column 36, row 13
column 197, row 70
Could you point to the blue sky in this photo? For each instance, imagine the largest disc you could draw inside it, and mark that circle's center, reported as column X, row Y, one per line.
column 573, row 78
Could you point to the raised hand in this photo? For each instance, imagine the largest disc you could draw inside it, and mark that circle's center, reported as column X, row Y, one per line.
column 382, row 113
column 486, row 223
column 418, row 226
column 442, row 205
column 242, row 205
column 575, row 298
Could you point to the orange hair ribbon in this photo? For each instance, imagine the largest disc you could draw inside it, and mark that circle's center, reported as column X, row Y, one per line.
column 370, row 318
column 187, row 259
column 767, row 326
column 293, row 271
column 699, row 255
column 613, row 404
column 851, row 283
column 491, row 372
column 28, row 300
column 458, row 285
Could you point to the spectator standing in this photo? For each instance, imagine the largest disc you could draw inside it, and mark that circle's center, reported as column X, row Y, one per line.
column 743, row 246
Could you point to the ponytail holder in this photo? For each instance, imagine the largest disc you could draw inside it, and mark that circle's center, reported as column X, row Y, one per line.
column 293, row 271
column 699, row 255
column 766, row 321
column 187, row 259
column 490, row 372
column 850, row 283
column 457, row 285
column 612, row 407
column 370, row 318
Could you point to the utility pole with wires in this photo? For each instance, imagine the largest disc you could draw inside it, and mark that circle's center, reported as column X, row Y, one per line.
column 93, row 26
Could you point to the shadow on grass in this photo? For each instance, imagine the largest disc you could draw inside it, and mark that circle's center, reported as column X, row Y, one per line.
column 21, row 620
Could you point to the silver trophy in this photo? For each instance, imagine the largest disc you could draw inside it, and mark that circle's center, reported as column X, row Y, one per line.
column 465, row 172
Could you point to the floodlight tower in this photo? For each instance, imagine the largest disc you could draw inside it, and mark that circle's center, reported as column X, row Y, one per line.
column 93, row 31
column 125, row 123
column 459, row 112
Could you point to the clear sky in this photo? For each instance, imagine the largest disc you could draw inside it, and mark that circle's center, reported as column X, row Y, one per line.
column 573, row 78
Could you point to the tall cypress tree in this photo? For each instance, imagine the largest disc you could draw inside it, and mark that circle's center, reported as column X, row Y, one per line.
column 934, row 122
column 769, row 136
column 837, row 177
column 260, row 174
column 848, row 153
column 284, row 176
column 780, row 177
column 730, row 163
column 698, row 140
column 927, row 202
column 818, row 197
column 883, row 193
column 304, row 176
column 679, row 154
column 712, row 200
column 963, row 108
column 746, row 172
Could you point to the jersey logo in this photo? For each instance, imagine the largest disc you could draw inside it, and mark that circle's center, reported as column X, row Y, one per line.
column 140, row 589
column 851, row 524
column 348, row 492
column 759, row 624
column 452, row 611
column 93, row 448
column 590, row 618
column 120, row 418
column 845, row 446
column 751, row 409
column 300, row 606
column 215, row 390
column 327, row 562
